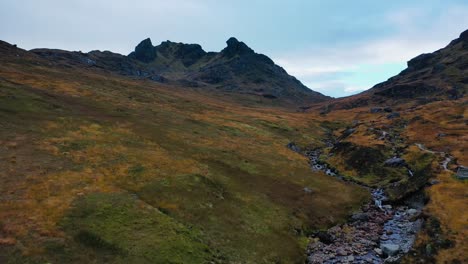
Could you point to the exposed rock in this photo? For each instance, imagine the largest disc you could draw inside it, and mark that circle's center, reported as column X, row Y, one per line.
column 188, row 54
column 235, row 47
column 145, row 51
column 462, row 173
column 412, row 211
column 347, row 133
column 360, row 217
column 390, row 249
column 388, row 109
column 393, row 115
column 325, row 237
column 434, row 182
column 375, row 110
column 395, row 162
column 378, row 251
column 292, row 146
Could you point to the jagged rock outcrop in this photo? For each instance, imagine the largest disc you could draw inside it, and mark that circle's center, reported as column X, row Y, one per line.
column 144, row 51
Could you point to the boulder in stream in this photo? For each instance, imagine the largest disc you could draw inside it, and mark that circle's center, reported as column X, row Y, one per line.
column 390, row 249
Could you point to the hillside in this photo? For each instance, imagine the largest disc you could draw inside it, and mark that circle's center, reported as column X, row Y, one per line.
column 98, row 167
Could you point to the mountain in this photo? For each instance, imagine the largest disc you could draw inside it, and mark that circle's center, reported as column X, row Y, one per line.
column 441, row 75
column 236, row 70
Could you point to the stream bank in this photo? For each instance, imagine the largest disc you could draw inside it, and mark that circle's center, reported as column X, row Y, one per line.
column 380, row 233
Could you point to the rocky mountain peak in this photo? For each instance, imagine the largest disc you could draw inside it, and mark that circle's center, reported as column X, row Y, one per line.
column 464, row 35
column 144, row 51
column 235, row 47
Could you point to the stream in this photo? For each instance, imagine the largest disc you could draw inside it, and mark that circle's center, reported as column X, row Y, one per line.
column 381, row 233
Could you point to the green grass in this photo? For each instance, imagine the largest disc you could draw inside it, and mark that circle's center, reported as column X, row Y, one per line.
column 126, row 231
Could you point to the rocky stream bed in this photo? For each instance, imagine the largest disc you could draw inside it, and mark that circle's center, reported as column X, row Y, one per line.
column 381, row 233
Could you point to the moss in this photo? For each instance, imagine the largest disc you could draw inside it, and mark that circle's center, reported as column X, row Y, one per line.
column 132, row 232
column 333, row 125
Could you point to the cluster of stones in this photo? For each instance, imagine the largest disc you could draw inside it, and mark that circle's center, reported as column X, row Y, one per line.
column 375, row 235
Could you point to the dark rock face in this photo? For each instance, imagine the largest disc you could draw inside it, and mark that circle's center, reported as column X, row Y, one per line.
column 145, row 51
column 188, row 54
column 393, row 115
column 420, row 61
column 235, row 47
column 395, row 162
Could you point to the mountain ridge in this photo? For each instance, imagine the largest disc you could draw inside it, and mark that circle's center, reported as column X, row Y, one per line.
column 428, row 77
column 237, row 69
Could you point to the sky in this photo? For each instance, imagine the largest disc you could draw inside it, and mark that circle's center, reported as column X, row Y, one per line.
column 338, row 48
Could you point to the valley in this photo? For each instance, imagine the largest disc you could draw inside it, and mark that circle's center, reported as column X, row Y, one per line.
column 176, row 155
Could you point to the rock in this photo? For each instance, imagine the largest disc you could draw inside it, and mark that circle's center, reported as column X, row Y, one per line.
column 412, row 211
column 375, row 110
column 235, row 47
column 434, row 182
column 307, row 190
column 145, row 51
column 393, row 115
column 348, row 132
column 387, row 207
column 360, row 217
column 462, row 173
column 350, row 258
column 341, row 252
column 378, row 251
column 292, row 146
column 390, row 249
column 324, row 237
column 395, row 162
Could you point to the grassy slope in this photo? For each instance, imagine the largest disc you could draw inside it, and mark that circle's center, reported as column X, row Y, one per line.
column 97, row 168
column 448, row 198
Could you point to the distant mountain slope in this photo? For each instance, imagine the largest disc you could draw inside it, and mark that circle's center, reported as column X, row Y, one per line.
column 236, row 70
column 440, row 75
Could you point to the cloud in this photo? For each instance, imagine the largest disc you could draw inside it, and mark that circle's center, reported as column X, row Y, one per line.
column 346, row 68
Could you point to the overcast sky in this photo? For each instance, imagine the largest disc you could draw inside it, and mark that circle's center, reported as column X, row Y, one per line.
column 334, row 47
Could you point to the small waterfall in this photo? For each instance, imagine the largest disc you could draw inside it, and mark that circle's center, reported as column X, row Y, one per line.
column 378, row 196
